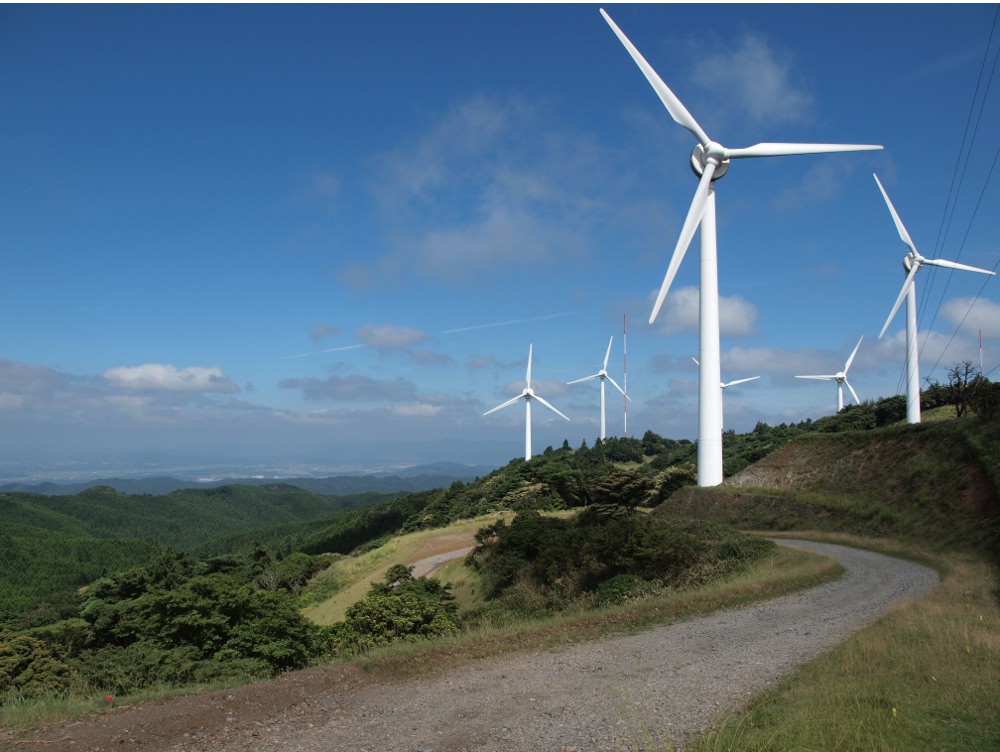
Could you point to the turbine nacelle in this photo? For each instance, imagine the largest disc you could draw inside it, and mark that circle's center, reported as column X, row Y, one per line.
column 715, row 152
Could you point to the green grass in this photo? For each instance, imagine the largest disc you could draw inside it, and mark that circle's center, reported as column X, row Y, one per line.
column 925, row 677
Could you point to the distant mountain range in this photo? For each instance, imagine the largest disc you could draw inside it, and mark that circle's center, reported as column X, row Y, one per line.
column 417, row 478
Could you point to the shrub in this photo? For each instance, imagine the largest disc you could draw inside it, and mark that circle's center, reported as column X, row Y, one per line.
column 28, row 668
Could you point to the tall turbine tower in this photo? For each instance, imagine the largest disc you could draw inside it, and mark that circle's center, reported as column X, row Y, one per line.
column 602, row 375
column 710, row 161
column 841, row 378
column 527, row 394
column 912, row 262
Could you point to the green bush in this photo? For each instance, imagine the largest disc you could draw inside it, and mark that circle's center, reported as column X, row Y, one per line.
column 28, row 669
column 401, row 607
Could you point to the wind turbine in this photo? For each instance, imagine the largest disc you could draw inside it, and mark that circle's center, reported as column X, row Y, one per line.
column 726, row 385
column 527, row 394
column 602, row 375
column 710, row 161
column 841, row 378
column 912, row 263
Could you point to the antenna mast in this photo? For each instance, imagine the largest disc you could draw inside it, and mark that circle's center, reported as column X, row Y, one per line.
column 625, row 367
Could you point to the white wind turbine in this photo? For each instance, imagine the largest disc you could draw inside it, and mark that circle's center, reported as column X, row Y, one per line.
column 841, row 378
column 725, row 385
column 528, row 394
column 602, row 375
column 710, row 161
column 912, row 263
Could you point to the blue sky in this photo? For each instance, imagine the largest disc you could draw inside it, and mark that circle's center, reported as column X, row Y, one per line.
column 325, row 235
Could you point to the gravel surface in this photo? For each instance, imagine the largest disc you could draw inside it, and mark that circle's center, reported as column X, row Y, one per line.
column 662, row 686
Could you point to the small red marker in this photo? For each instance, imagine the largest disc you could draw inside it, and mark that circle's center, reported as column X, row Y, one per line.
column 110, row 700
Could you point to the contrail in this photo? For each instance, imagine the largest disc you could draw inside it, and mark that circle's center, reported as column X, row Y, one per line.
column 505, row 323
column 319, row 352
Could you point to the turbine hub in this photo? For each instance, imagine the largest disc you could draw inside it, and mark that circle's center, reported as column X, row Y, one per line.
column 715, row 152
column 528, row 393
column 908, row 260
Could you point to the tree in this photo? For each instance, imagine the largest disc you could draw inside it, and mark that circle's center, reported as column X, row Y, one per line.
column 962, row 381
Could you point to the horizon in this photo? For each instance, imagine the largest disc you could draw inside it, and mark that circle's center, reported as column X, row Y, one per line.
column 326, row 236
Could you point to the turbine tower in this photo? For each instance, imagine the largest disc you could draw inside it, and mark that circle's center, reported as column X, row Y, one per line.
column 602, row 375
column 527, row 394
column 710, row 161
column 912, row 263
column 841, row 378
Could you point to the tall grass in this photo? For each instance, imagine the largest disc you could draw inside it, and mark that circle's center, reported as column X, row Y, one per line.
column 925, row 677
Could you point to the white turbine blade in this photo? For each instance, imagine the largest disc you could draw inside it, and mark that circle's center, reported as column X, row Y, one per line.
column 527, row 375
column 903, row 234
column 854, row 393
column 677, row 110
column 687, row 233
column 788, row 150
column 696, row 361
column 956, row 265
column 822, row 378
column 608, row 353
column 585, row 378
column 505, row 404
column 739, row 381
column 914, row 268
column 549, row 406
column 615, row 385
column 850, row 360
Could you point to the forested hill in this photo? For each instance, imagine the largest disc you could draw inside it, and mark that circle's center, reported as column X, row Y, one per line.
column 184, row 519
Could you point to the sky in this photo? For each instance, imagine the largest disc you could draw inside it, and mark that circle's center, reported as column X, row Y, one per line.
column 321, row 237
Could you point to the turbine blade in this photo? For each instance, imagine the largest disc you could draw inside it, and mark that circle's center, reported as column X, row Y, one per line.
column 740, row 381
column 608, row 353
column 851, row 359
column 691, row 222
column 585, row 378
column 956, row 265
column 853, row 393
column 903, row 234
column 677, row 110
column 788, row 150
column 696, row 361
column 505, row 404
column 902, row 294
column 822, row 378
column 615, row 384
column 549, row 406
column 527, row 375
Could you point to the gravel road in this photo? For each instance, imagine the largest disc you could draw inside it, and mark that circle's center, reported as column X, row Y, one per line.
column 623, row 693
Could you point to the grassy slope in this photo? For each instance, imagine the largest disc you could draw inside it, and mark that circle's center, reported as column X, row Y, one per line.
column 924, row 677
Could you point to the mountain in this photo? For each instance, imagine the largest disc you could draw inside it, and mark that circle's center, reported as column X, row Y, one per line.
column 404, row 480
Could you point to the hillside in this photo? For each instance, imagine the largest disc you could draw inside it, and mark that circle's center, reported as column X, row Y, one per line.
column 933, row 482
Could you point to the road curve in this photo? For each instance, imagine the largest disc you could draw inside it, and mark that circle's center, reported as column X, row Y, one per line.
column 661, row 686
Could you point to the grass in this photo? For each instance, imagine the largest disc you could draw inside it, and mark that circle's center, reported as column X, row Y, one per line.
column 925, row 677
column 786, row 570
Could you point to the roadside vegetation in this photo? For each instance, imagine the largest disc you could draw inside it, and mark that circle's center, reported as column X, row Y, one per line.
column 564, row 547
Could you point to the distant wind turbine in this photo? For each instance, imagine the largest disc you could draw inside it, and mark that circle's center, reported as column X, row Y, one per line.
column 710, row 161
column 528, row 394
column 726, row 385
column 841, row 378
column 912, row 263
column 602, row 375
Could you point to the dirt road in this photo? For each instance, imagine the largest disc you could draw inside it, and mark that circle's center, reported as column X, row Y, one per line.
column 663, row 685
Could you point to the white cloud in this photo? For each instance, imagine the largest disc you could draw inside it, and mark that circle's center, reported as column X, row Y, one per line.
column 388, row 336
column 162, row 377
column 973, row 314
column 418, row 410
column 323, row 331
column 756, row 81
column 680, row 313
